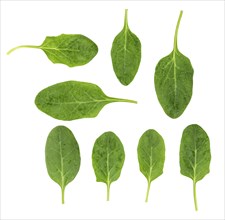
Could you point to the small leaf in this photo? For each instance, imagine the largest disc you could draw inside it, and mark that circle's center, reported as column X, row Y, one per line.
column 174, row 80
column 195, row 155
column 126, row 54
column 151, row 156
column 107, row 159
column 69, row 49
column 73, row 100
column 62, row 156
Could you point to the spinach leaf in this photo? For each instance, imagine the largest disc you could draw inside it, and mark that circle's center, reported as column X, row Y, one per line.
column 107, row 159
column 174, row 80
column 195, row 155
column 73, row 100
column 126, row 54
column 151, row 156
column 69, row 49
column 62, row 156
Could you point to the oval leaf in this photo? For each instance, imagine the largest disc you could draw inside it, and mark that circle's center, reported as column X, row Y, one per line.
column 174, row 81
column 195, row 155
column 126, row 54
column 107, row 159
column 151, row 156
column 62, row 156
column 73, row 100
column 69, row 49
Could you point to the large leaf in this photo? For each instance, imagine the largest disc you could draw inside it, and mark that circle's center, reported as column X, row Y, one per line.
column 107, row 159
column 69, row 49
column 126, row 54
column 174, row 80
column 62, row 156
column 195, row 155
column 73, row 100
column 151, row 156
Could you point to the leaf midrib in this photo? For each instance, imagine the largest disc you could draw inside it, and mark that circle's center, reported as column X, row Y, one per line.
column 195, row 160
column 175, row 76
column 107, row 165
column 59, row 49
column 61, row 161
column 82, row 102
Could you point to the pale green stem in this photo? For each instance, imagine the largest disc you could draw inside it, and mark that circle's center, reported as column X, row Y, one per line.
column 122, row 100
column 148, row 189
column 125, row 19
column 22, row 46
column 195, row 196
column 176, row 32
column 63, row 192
column 108, row 191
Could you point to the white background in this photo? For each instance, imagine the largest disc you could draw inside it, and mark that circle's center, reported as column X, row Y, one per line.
column 27, row 192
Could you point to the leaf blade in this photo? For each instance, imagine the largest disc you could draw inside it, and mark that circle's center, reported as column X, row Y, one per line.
column 151, row 156
column 195, row 155
column 69, row 49
column 174, row 81
column 107, row 159
column 62, row 156
column 72, row 100
column 126, row 54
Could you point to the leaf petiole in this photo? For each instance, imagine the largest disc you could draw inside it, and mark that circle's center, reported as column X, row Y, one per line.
column 63, row 193
column 22, row 46
column 148, row 190
column 122, row 100
column 108, row 191
column 195, row 196
column 125, row 19
column 176, row 31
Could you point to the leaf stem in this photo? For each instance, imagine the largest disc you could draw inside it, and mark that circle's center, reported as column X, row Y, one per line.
column 176, row 32
column 108, row 191
column 125, row 19
column 22, row 46
column 63, row 192
column 123, row 100
column 195, row 196
column 148, row 190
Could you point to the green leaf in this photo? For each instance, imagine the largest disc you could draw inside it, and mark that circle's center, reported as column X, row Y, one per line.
column 73, row 100
column 195, row 155
column 126, row 54
column 151, row 156
column 107, row 159
column 69, row 49
column 174, row 80
column 62, row 156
